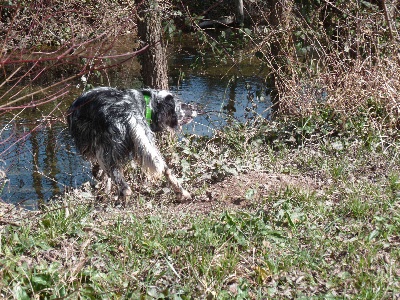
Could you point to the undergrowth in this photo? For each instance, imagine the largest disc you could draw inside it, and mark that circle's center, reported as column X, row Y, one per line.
column 306, row 205
column 334, row 238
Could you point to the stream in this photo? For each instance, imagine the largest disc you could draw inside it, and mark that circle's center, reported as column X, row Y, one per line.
column 37, row 154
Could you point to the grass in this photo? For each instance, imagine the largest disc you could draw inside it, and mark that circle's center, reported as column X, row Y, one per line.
column 334, row 235
column 307, row 206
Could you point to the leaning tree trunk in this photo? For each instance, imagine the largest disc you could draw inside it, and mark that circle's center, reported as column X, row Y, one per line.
column 154, row 61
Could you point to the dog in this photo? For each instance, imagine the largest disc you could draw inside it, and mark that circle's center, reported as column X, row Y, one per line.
column 111, row 127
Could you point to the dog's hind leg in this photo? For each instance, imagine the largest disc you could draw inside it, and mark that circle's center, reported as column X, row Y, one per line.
column 179, row 190
column 100, row 177
column 97, row 172
column 113, row 170
column 117, row 176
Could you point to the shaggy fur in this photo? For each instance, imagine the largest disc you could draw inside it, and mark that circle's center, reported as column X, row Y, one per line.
column 109, row 127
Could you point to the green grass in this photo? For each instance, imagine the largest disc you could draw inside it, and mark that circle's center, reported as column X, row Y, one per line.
column 323, row 223
column 336, row 238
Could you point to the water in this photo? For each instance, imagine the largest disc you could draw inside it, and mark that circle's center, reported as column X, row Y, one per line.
column 37, row 153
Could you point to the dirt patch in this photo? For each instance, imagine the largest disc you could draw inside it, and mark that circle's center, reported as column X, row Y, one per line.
column 234, row 192
column 238, row 189
column 245, row 190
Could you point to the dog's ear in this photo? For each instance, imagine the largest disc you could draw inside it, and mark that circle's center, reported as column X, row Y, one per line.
column 164, row 114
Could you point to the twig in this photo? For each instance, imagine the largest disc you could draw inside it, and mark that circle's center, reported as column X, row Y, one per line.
column 388, row 20
column 9, row 78
column 4, row 222
column 42, row 90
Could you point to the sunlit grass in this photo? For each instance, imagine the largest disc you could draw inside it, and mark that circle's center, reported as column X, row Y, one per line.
column 324, row 223
column 337, row 238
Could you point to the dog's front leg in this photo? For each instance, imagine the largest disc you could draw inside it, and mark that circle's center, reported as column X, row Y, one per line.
column 117, row 176
column 183, row 194
column 100, row 177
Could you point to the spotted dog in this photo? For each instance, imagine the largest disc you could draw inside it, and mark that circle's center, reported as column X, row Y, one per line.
column 111, row 127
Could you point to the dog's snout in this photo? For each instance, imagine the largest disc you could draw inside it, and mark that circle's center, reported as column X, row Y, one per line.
column 187, row 113
column 191, row 110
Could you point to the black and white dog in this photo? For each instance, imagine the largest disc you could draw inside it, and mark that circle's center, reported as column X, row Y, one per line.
column 111, row 127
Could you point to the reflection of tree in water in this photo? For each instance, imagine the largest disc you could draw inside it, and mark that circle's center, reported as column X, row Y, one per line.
column 36, row 176
column 51, row 170
column 45, row 171
column 230, row 106
column 254, row 96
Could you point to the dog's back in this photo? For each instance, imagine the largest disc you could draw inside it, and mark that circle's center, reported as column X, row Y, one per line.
column 109, row 127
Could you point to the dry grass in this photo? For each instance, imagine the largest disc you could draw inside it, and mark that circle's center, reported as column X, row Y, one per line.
column 317, row 220
column 348, row 90
column 42, row 24
column 306, row 206
column 342, row 56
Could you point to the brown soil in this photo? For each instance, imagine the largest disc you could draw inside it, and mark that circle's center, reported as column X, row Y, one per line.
column 244, row 190
column 234, row 193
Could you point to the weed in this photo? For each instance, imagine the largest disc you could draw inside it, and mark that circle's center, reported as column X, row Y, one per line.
column 302, row 206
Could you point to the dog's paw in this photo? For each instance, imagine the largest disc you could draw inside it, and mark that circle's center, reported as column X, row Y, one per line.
column 184, row 195
column 126, row 192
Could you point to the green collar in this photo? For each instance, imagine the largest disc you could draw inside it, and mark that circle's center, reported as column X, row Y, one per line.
column 149, row 112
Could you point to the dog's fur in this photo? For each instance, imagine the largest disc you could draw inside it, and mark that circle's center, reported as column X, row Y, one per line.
column 109, row 128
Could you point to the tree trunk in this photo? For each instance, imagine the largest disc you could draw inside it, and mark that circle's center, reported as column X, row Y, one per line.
column 239, row 12
column 282, row 44
column 154, row 61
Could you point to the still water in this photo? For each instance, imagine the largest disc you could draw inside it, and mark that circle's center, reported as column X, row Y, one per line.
column 39, row 158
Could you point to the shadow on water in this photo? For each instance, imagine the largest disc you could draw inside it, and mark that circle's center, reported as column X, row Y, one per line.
column 37, row 153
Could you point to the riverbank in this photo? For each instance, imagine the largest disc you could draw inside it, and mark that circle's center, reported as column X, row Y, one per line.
column 304, row 206
column 276, row 213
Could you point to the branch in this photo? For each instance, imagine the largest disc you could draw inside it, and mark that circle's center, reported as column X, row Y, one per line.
column 5, row 106
column 37, row 103
column 126, row 56
column 387, row 18
column 60, row 57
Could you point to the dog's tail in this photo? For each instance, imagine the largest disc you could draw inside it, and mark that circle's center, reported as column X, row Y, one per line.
column 146, row 153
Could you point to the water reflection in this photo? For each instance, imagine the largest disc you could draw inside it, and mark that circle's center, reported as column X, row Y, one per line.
column 40, row 165
column 226, row 100
column 40, row 160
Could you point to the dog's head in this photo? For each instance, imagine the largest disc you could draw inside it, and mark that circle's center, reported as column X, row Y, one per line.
column 169, row 112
